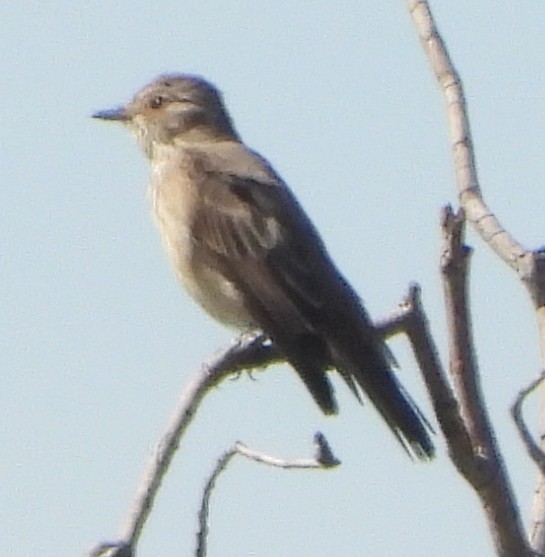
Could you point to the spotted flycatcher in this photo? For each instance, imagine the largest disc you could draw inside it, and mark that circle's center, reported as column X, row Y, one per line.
column 246, row 251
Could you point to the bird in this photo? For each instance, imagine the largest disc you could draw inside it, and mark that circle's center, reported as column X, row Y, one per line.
column 244, row 248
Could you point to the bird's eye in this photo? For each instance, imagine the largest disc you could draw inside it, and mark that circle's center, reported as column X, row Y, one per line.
column 156, row 102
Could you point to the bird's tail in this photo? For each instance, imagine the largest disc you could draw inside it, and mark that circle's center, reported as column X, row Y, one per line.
column 366, row 368
column 373, row 374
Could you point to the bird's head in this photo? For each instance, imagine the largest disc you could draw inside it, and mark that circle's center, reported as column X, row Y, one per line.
column 172, row 109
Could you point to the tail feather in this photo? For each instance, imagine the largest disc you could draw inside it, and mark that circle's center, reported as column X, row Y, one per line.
column 408, row 424
column 359, row 353
column 394, row 404
column 366, row 369
column 318, row 385
column 375, row 378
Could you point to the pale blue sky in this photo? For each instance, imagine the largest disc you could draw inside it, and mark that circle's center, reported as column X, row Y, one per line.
column 98, row 339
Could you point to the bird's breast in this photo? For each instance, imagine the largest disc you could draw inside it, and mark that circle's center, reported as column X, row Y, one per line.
column 174, row 200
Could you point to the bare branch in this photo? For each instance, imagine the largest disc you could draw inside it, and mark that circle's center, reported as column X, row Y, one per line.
column 463, row 361
column 246, row 352
column 444, row 402
column 489, row 479
column 112, row 549
column 533, row 448
column 323, row 459
column 469, row 192
column 486, row 471
column 204, row 512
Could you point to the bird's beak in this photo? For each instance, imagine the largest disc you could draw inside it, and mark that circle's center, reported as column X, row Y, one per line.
column 119, row 114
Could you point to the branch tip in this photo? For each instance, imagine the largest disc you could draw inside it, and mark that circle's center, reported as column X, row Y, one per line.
column 455, row 251
column 112, row 549
column 324, row 455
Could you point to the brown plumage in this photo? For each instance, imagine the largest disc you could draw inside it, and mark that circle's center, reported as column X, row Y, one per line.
column 246, row 251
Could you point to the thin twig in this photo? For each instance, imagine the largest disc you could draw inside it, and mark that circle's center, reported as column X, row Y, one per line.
column 204, row 512
column 533, row 448
column 323, row 459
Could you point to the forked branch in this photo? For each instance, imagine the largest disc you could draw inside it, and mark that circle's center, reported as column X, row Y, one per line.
column 247, row 352
column 323, row 459
column 490, row 479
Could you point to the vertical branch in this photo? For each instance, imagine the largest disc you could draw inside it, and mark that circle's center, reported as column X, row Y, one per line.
column 445, row 405
column 202, row 534
column 464, row 422
column 486, row 470
column 463, row 362
column 528, row 264
column 469, row 190
column 537, row 527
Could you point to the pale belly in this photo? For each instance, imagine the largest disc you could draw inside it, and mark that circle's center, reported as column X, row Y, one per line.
column 217, row 296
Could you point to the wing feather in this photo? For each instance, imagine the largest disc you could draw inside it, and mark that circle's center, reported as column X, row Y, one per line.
column 253, row 231
column 250, row 232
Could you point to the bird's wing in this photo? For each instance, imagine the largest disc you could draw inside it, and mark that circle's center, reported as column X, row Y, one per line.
column 255, row 234
column 252, row 229
column 246, row 221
